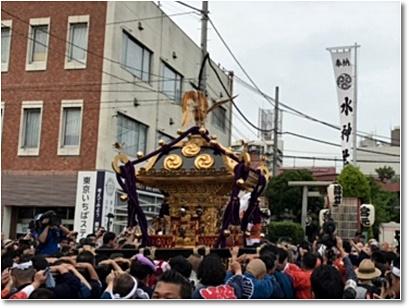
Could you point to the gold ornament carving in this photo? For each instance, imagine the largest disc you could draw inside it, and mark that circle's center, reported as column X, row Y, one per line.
column 204, row 161
column 121, row 157
column 265, row 171
column 190, row 150
column 172, row 162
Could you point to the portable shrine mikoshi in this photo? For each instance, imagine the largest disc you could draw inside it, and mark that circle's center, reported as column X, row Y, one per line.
column 201, row 180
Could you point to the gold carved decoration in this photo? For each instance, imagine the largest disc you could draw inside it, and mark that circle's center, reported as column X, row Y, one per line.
column 172, row 162
column 264, row 169
column 121, row 157
column 204, row 161
column 190, row 150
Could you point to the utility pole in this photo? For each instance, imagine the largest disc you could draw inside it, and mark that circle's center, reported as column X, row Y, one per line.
column 275, row 134
column 203, row 44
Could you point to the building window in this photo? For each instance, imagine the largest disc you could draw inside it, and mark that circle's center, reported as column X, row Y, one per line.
column 136, row 58
column 219, row 118
column 38, row 38
column 132, row 134
column 5, row 44
column 172, row 83
column 70, row 128
column 30, row 128
column 77, row 42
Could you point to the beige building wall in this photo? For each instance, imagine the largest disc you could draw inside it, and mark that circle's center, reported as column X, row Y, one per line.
column 169, row 44
column 385, row 159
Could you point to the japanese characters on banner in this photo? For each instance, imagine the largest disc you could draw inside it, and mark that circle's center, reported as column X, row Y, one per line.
column 109, row 195
column 95, row 200
column 343, row 68
column 85, row 203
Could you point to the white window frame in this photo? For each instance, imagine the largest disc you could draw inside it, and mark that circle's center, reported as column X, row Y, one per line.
column 39, row 65
column 76, row 64
column 29, row 151
column 69, row 150
column 127, row 35
column 8, row 24
column 174, row 98
column 2, row 120
column 139, row 123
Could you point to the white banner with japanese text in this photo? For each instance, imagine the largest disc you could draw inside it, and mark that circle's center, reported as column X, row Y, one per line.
column 85, row 203
column 108, row 205
column 345, row 83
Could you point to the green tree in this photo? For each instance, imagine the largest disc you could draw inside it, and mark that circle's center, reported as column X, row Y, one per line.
column 281, row 196
column 354, row 183
column 285, row 230
column 387, row 204
column 385, row 173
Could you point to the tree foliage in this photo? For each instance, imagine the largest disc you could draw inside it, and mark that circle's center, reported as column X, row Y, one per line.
column 286, row 230
column 385, row 173
column 281, row 196
column 354, row 183
column 387, row 204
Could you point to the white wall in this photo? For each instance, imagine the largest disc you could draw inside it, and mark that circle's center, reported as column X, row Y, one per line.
column 6, row 220
column 163, row 37
column 387, row 232
column 369, row 168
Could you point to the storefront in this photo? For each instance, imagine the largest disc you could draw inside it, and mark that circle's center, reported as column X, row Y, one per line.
column 26, row 194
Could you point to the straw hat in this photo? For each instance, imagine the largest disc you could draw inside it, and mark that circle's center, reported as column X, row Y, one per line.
column 367, row 270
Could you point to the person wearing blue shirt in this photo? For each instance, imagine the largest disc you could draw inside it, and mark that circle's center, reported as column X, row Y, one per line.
column 49, row 237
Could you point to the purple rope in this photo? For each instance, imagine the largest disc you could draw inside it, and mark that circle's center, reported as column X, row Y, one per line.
column 134, row 210
column 253, row 204
column 232, row 213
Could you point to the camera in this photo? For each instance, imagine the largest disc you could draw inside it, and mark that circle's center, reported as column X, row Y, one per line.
column 328, row 240
column 53, row 219
column 350, row 289
column 380, row 282
column 327, row 237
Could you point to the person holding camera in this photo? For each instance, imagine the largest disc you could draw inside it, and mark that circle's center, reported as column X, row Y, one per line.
column 50, row 233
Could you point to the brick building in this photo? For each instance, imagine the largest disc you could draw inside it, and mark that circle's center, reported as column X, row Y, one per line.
column 76, row 78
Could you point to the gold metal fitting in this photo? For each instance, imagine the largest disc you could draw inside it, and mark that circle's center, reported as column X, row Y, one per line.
column 226, row 232
column 179, row 132
column 123, row 197
column 213, row 142
column 161, row 142
column 202, row 130
column 240, row 182
column 139, row 154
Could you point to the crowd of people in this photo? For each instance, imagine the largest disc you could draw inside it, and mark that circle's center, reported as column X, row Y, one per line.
column 50, row 263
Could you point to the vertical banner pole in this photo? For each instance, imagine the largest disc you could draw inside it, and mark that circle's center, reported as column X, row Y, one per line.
column 346, row 85
column 355, row 114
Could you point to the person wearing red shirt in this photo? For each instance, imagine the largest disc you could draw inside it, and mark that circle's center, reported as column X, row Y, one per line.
column 302, row 277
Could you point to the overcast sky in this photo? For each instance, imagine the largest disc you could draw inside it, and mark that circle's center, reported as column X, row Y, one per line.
column 284, row 44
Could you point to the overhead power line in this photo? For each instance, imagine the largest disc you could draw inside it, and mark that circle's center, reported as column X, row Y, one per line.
column 234, row 104
column 100, row 70
column 148, row 18
column 271, row 99
column 340, row 159
column 74, row 45
column 337, row 145
column 189, row 6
